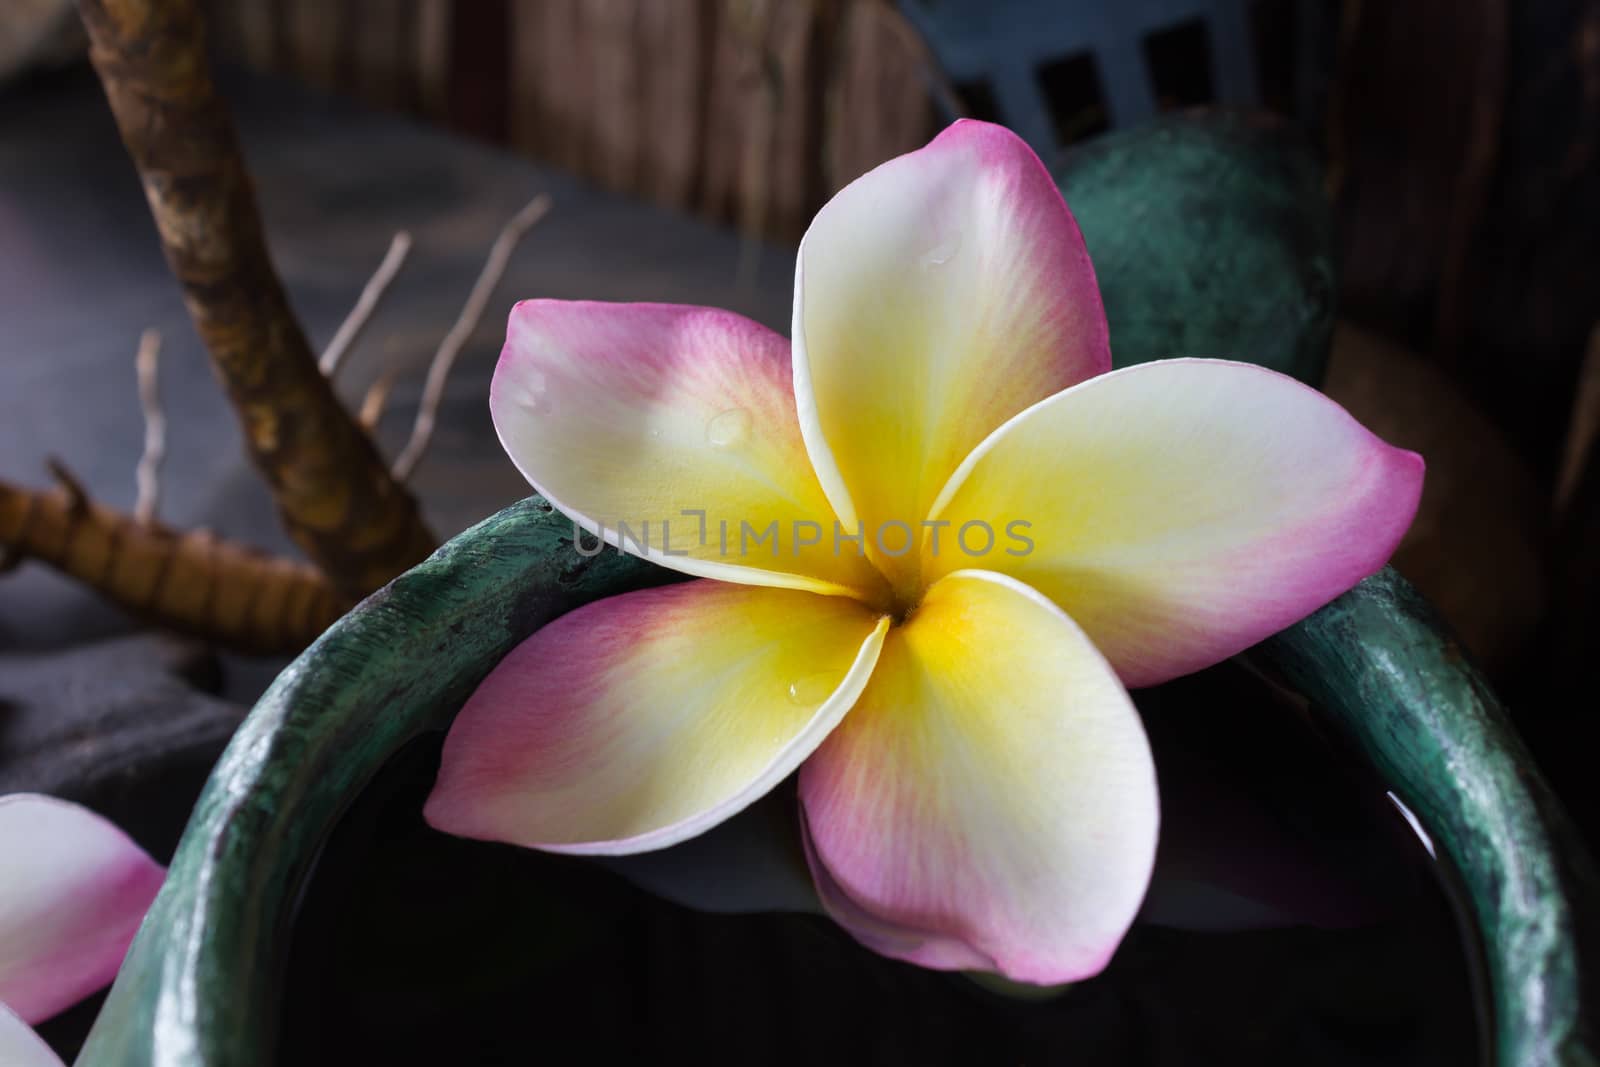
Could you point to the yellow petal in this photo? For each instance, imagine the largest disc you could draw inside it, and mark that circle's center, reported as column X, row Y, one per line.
column 935, row 297
column 1181, row 511
column 644, row 719
column 673, row 430
column 990, row 802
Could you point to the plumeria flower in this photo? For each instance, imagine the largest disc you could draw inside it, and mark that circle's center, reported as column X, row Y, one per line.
column 73, row 890
column 937, row 537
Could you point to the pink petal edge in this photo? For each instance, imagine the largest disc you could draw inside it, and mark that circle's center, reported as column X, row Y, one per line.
column 1281, row 576
column 542, row 755
column 1049, row 251
column 20, row 1046
column 607, row 410
column 1013, row 829
column 64, row 930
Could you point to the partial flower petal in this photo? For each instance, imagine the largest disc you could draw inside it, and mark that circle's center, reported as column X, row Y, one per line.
column 639, row 721
column 680, row 423
column 935, row 297
column 73, row 890
column 990, row 803
column 1183, row 510
column 20, row 1046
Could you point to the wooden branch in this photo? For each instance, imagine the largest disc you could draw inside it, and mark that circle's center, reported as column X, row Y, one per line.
column 368, row 302
column 466, row 322
column 337, row 499
column 148, row 474
column 193, row 582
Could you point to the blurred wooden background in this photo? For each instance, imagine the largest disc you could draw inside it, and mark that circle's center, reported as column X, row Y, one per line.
column 748, row 111
column 1460, row 135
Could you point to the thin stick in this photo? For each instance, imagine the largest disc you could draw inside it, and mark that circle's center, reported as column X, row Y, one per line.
column 377, row 396
column 148, row 474
column 450, row 347
column 366, row 304
column 77, row 496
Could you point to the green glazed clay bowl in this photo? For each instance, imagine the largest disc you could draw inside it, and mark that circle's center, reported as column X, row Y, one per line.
column 1232, row 226
column 201, row 982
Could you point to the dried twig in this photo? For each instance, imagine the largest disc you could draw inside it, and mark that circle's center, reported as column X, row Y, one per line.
column 450, row 347
column 148, row 475
column 334, row 492
column 368, row 302
column 193, row 582
column 377, row 396
column 75, row 496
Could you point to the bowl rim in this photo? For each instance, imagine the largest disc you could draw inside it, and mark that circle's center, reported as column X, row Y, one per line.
column 200, row 985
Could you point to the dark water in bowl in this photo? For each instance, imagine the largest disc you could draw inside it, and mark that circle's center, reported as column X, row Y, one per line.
column 416, row 948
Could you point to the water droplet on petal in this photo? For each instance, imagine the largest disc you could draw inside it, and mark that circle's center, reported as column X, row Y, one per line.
column 728, row 429
column 943, row 252
column 531, row 393
column 813, row 689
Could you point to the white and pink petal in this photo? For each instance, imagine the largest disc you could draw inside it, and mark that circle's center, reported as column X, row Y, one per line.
column 1183, row 510
column 990, row 803
column 73, row 890
column 645, row 719
column 672, row 430
column 935, row 297
column 20, row 1046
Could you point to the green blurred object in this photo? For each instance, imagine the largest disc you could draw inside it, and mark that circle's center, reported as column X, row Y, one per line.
column 201, row 984
column 1211, row 237
column 1379, row 667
